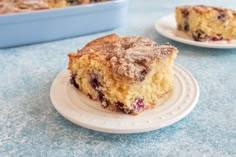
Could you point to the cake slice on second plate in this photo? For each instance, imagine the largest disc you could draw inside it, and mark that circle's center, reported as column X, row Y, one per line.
column 206, row 23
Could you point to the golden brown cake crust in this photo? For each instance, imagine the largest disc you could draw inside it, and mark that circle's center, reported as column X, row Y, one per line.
column 201, row 9
column 10, row 6
column 15, row 6
column 127, row 57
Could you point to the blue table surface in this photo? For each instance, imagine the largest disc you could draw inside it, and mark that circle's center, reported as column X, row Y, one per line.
column 30, row 125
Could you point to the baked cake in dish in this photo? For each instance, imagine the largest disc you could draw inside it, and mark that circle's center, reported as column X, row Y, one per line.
column 128, row 73
column 15, row 6
column 206, row 23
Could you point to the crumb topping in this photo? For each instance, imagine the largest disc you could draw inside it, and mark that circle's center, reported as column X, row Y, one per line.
column 203, row 8
column 128, row 56
column 12, row 6
column 15, row 6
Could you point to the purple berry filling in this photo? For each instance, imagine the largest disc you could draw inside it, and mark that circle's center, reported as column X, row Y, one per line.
column 221, row 16
column 216, row 37
column 199, row 35
column 139, row 105
column 143, row 73
column 97, row 86
column 100, row 96
column 102, row 99
column 119, row 105
column 186, row 26
column 94, row 81
column 72, row 80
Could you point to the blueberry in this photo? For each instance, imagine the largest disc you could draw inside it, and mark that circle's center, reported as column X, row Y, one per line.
column 72, row 80
column 90, row 96
column 185, row 13
column 102, row 99
column 138, row 105
column 94, row 81
column 98, row 87
column 186, row 26
column 199, row 35
column 142, row 75
column 119, row 105
column 100, row 96
column 71, row 1
column 221, row 16
column 106, row 103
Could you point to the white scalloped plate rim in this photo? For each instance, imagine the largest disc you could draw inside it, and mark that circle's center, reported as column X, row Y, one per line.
column 166, row 26
column 79, row 109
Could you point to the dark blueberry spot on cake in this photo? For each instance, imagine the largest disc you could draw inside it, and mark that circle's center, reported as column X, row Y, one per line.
column 199, row 35
column 119, row 105
column 74, row 2
column 185, row 13
column 221, row 16
column 100, row 96
column 98, row 87
column 72, row 80
column 108, row 102
column 143, row 73
column 90, row 96
column 138, row 105
column 94, row 81
column 95, row 84
column 186, row 26
column 70, row 1
column 76, row 85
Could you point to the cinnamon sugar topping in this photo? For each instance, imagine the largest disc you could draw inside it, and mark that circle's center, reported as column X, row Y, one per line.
column 203, row 8
column 128, row 56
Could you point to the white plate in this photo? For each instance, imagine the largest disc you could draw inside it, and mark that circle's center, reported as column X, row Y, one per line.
column 166, row 26
column 79, row 109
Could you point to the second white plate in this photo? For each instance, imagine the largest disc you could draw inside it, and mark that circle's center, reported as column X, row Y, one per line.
column 76, row 107
column 166, row 26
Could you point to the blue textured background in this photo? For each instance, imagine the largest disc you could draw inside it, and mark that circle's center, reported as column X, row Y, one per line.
column 30, row 126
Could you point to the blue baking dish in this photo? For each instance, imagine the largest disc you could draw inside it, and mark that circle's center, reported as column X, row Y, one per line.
column 52, row 24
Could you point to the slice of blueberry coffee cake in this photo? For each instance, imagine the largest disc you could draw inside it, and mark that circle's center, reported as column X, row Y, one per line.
column 206, row 23
column 128, row 73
